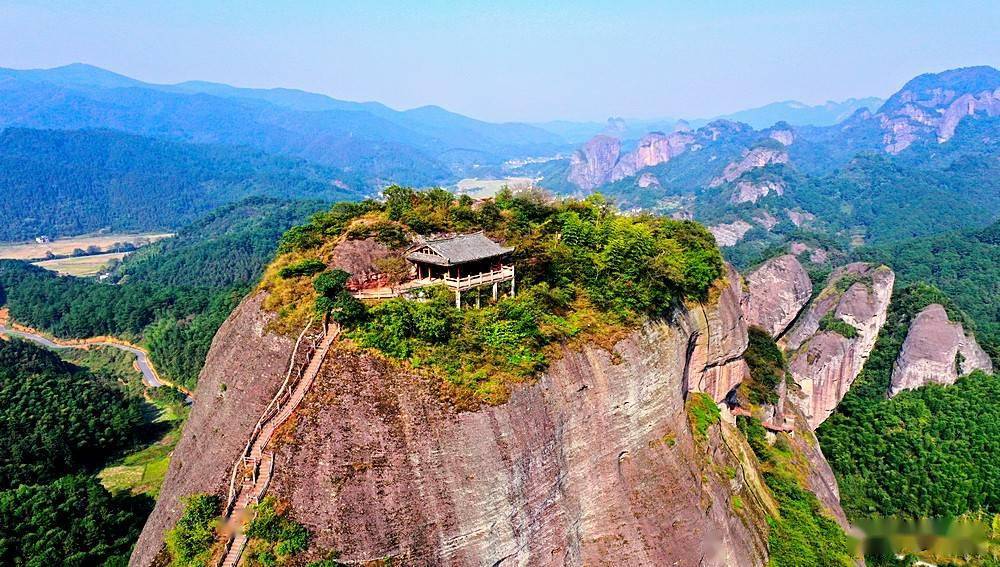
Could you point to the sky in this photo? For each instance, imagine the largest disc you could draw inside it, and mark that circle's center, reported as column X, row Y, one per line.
column 518, row 60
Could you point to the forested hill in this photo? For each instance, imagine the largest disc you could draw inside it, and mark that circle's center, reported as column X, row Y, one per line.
column 172, row 296
column 72, row 182
column 963, row 264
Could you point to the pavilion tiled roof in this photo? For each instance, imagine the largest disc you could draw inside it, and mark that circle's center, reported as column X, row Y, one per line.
column 458, row 249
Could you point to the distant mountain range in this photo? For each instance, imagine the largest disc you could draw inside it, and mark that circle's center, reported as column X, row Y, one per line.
column 84, row 135
column 926, row 160
column 422, row 146
column 789, row 111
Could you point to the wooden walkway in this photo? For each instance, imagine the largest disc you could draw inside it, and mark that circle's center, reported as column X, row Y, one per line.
column 253, row 470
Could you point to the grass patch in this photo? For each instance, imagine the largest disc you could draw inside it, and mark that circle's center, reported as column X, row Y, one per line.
column 830, row 322
column 702, row 413
column 802, row 535
column 142, row 472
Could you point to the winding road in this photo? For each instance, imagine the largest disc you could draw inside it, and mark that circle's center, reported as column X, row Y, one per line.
column 141, row 360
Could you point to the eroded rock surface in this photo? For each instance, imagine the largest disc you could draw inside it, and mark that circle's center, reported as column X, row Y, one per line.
column 593, row 464
column 244, row 369
column 936, row 350
column 752, row 191
column 825, row 363
column 752, row 159
column 728, row 234
column 776, row 291
column 932, row 105
column 601, row 161
column 719, row 338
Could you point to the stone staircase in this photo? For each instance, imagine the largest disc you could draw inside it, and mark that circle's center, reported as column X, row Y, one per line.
column 252, row 472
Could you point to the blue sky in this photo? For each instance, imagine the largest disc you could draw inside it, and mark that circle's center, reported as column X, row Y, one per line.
column 518, row 60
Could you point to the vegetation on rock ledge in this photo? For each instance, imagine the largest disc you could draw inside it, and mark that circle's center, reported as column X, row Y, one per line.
column 585, row 272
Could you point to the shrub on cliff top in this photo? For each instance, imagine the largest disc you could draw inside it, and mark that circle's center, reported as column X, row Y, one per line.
column 581, row 267
column 190, row 541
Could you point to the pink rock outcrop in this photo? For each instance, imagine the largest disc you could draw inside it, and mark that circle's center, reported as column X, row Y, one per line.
column 728, row 234
column 752, row 159
column 932, row 106
column 752, row 191
column 800, row 218
column 244, row 368
column 776, row 291
column 786, row 137
column 591, row 164
column 936, row 350
column 601, row 161
column 719, row 335
column 766, row 220
column 824, row 363
column 595, row 463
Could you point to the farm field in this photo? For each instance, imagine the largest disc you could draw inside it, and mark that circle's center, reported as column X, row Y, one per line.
column 483, row 188
column 81, row 266
column 66, row 246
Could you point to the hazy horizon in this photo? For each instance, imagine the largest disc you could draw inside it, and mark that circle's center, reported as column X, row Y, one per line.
column 563, row 61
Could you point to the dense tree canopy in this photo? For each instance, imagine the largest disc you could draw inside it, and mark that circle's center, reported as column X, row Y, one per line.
column 61, row 183
column 172, row 296
column 56, row 418
column 930, row 452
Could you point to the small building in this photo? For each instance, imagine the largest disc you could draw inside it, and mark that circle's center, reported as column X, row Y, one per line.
column 462, row 262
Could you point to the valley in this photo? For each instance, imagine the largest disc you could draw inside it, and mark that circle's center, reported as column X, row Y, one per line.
column 711, row 342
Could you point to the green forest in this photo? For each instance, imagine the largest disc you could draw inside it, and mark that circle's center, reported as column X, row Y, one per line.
column 58, row 424
column 171, row 297
column 64, row 183
column 930, row 452
column 965, row 265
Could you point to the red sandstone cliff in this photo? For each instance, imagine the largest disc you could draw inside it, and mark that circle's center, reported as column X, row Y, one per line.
column 776, row 291
column 244, row 368
column 936, row 350
column 593, row 464
column 824, row 363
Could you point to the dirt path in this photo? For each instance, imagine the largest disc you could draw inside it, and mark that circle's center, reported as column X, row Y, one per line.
column 142, row 363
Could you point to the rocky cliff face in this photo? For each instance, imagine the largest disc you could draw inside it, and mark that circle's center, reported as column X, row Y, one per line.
column 591, row 164
column 600, row 160
column 752, row 159
column 936, row 350
column 747, row 191
column 776, row 291
column 824, row 363
column 718, row 340
column 244, row 369
column 728, row 234
column 932, row 105
column 594, row 464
